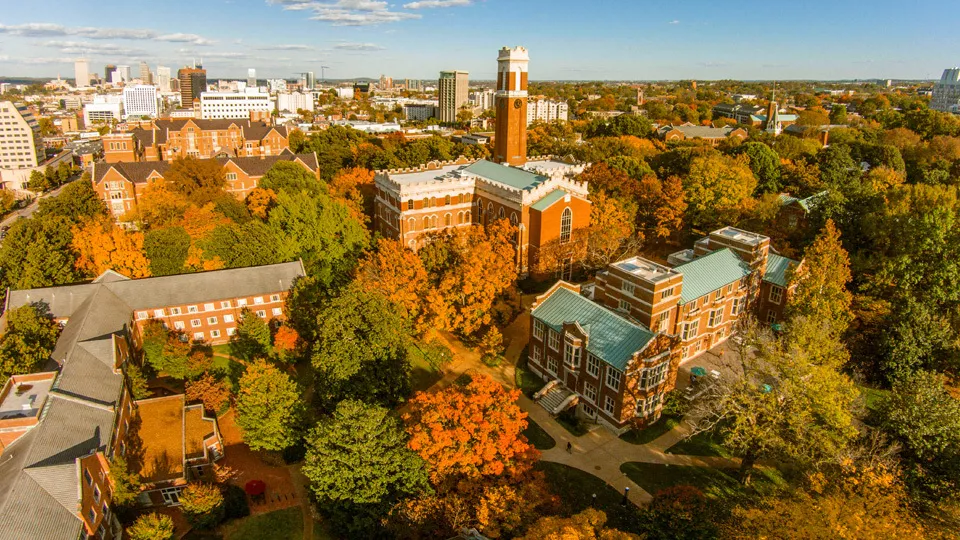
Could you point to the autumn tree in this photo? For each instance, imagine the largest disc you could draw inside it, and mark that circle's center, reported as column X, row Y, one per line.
column 101, row 245
column 30, row 338
column 718, row 189
column 268, row 407
column 125, row 483
column 167, row 249
column 166, row 352
column 213, row 393
column 252, row 338
column 259, row 202
column 491, row 345
column 77, row 202
column 680, row 512
column 359, row 349
column 138, row 381
column 201, row 181
column 159, row 205
column 202, row 505
column 397, row 273
column 612, row 230
column 587, row 525
column 359, row 466
column 355, row 186
column 286, row 343
column 152, row 526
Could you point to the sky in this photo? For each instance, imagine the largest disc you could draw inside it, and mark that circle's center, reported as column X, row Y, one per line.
column 567, row 39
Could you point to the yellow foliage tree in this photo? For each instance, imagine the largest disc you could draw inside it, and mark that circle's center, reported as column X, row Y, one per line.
column 102, row 246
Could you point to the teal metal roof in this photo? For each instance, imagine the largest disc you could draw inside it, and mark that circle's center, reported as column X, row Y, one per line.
column 548, row 200
column 777, row 267
column 510, row 176
column 706, row 274
column 612, row 338
column 807, row 204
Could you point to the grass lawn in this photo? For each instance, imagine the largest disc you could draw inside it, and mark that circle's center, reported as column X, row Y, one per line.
column 873, row 397
column 715, row 483
column 576, row 488
column 701, row 444
column 286, row 524
column 424, row 373
column 526, row 380
column 540, row 439
column 651, row 433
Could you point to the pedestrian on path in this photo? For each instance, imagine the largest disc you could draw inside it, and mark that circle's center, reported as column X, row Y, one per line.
column 569, row 448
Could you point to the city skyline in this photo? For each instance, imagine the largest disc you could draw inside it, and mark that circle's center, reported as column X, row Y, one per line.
column 363, row 38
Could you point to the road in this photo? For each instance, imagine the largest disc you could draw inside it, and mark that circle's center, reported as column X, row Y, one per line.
column 32, row 207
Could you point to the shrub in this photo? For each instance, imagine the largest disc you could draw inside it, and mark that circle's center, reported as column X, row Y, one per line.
column 151, row 526
column 235, row 502
column 202, row 505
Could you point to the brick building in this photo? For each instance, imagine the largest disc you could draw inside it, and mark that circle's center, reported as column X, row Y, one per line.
column 648, row 318
column 166, row 140
column 690, row 131
column 78, row 414
column 120, row 184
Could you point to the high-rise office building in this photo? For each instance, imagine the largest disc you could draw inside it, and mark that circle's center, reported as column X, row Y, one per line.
column 453, row 94
column 140, row 100
column 145, row 76
column 193, row 82
column 124, row 72
column 108, row 71
column 23, row 148
column 946, row 92
column 81, row 72
column 163, row 78
column 308, row 80
column 251, row 78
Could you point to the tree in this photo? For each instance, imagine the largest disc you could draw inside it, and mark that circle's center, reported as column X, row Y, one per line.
column 38, row 182
column 268, row 407
column 160, row 204
column 838, row 171
column 469, row 431
column 201, row 181
column 103, row 246
column 202, row 505
column 680, row 513
column 138, row 381
column 213, row 393
column 397, row 273
column 612, row 229
column 717, row 189
column 765, row 164
column 259, row 202
column 860, row 503
column 286, row 343
column 291, row 177
column 125, row 484
column 36, row 253
column 491, row 346
column 359, row 349
column 240, row 245
column 359, row 466
column 355, row 187
column 152, row 526
column 29, row 340
column 587, row 525
column 77, row 202
column 252, row 339
column 167, row 250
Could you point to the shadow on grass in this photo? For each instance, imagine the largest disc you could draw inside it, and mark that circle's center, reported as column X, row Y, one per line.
column 576, row 490
column 718, row 484
column 651, row 433
column 540, row 439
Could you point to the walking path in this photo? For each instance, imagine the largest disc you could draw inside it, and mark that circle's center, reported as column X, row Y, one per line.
column 599, row 452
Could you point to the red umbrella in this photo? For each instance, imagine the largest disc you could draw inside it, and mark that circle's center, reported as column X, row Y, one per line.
column 255, row 487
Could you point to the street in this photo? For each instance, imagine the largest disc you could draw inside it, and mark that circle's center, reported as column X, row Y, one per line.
column 32, row 207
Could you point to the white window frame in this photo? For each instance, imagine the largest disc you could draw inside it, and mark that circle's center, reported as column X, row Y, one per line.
column 552, row 365
column 715, row 318
column 231, row 331
column 628, row 288
column 776, row 294
column 198, row 336
column 274, row 297
column 241, row 302
column 192, row 309
column 228, row 318
column 771, row 316
column 178, row 325
column 258, row 300
column 276, row 311
column 590, row 393
column 690, row 330
column 262, row 313
column 571, row 353
column 212, row 320
column 593, row 365
column 225, row 304
column 553, row 339
column 158, row 313
column 196, row 323
column 613, row 375
column 214, row 333
column 609, row 405
column 538, row 329
column 175, row 311
column 623, row 305
column 141, row 315
column 537, row 354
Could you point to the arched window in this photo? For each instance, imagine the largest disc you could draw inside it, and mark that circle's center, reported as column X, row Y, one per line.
column 426, row 203
column 411, row 224
column 433, row 222
column 500, row 214
column 460, row 198
column 446, row 200
column 513, row 218
column 410, row 204
column 433, row 201
column 566, row 224
column 447, row 220
column 459, row 218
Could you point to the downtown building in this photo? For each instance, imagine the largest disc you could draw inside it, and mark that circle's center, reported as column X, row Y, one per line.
column 946, row 92
column 540, row 196
column 616, row 357
column 546, row 110
column 193, row 82
column 251, row 103
column 21, row 146
column 452, row 92
column 141, row 100
column 60, row 428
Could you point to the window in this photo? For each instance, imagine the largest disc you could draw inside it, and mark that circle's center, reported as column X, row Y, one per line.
column 648, row 406
column 175, row 311
column 446, row 200
column 718, row 295
column 538, row 329
column 195, row 323
column 663, row 320
column 192, row 309
column 262, row 314
column 158, row 313
column 590, row 392
column 178, row 325
column 225, row 304
column 776, row 294
column 274, row 297
column 141, row 315
column 593, row 365
column 554, row 340
column 241, row 302
column 690, row 330
column 609, row 405
column 716, row 317
column 212, row 320
column 552, row 365
column 277, row 311
column 771, row 316
column 743, row 283
column 737, row 306
column 566, row 225
column 96, row 493
column 198, row 336
column 653, row 376
column 500, row 213
column 231, row 331
column 258, row 300
column 537, row 354
column 411, row 224
column 623, row 305
column 208, row 307
column 410, row 204
column 571, row 353
column 214, row 333
column 667, row 293
column 628, row 288
column 613, row 378
column 92, row 514
column 228, row 318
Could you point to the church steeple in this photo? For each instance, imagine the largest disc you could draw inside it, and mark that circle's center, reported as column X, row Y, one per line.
column 773, row 115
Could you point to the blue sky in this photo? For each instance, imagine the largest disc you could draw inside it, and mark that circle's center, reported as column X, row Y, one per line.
column 593, row 39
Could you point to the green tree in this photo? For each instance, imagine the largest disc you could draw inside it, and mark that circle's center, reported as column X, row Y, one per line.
column 152, row 526
column 167, row 250
column 38, row 182
column 252, row 339
column 491, row 345
column 202, row 505
column 717, row 189
column 29, row 340
column 360, row 349
column 359, row 466
column 838, row 115
column 240, row 245
column 77, row 202
column 199, row 180
column 165, row 351
column 292, row 178
column 268, row 407
column 838, row 171
column 36, row 253
column 125, row 484
column 138, row 381
column 765, row 164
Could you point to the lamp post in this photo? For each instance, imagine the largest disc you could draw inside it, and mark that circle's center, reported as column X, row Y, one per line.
column 626, row 493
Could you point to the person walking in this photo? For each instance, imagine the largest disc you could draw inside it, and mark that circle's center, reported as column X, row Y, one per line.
column 569, row 448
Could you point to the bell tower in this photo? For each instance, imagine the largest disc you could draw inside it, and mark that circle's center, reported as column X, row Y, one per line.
column 510, row 145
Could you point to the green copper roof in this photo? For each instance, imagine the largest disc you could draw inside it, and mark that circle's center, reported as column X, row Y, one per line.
column 509, row 176
column 548, row 200
column 777, row 267
column 807, row 204
column 706, row 274
column 612, row 338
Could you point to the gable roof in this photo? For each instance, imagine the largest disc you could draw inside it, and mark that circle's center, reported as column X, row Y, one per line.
column 548, row 200
column 611, row 337
column 706, row 274
column 139, row 171
column 513, row 177
column 691, row 131
column 777, row 267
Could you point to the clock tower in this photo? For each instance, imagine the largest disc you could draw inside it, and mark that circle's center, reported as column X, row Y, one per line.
column 510, row 144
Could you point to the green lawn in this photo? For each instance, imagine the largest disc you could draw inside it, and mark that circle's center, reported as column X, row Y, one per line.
column 576, row 488
column 701, row 444
column 651, row 433
column 873, row 397
column 715, row 483
column 426, row 361
column 526, row 381
column 286, row 524
column 540, row 439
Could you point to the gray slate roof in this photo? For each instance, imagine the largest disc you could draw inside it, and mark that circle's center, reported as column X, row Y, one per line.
column 612, row 338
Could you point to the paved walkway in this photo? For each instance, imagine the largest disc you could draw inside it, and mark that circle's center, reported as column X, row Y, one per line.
column 599, row 452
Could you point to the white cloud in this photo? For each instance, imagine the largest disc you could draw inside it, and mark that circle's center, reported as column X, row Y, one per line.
column 427, row 4
column 85, row 47
column 347, row 12
column 185, row 38
column 51, row 30
column 675, row 21
column 349, row 46
column 288, row 47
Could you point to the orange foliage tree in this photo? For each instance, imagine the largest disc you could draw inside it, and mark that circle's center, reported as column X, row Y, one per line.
column 398, row 274
column 587, row 525
column 102, row 246
column 355, row 187
column 159, row 205
column 260, row 200
column 199, row 222
column 286, row 342
column 209, row 391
